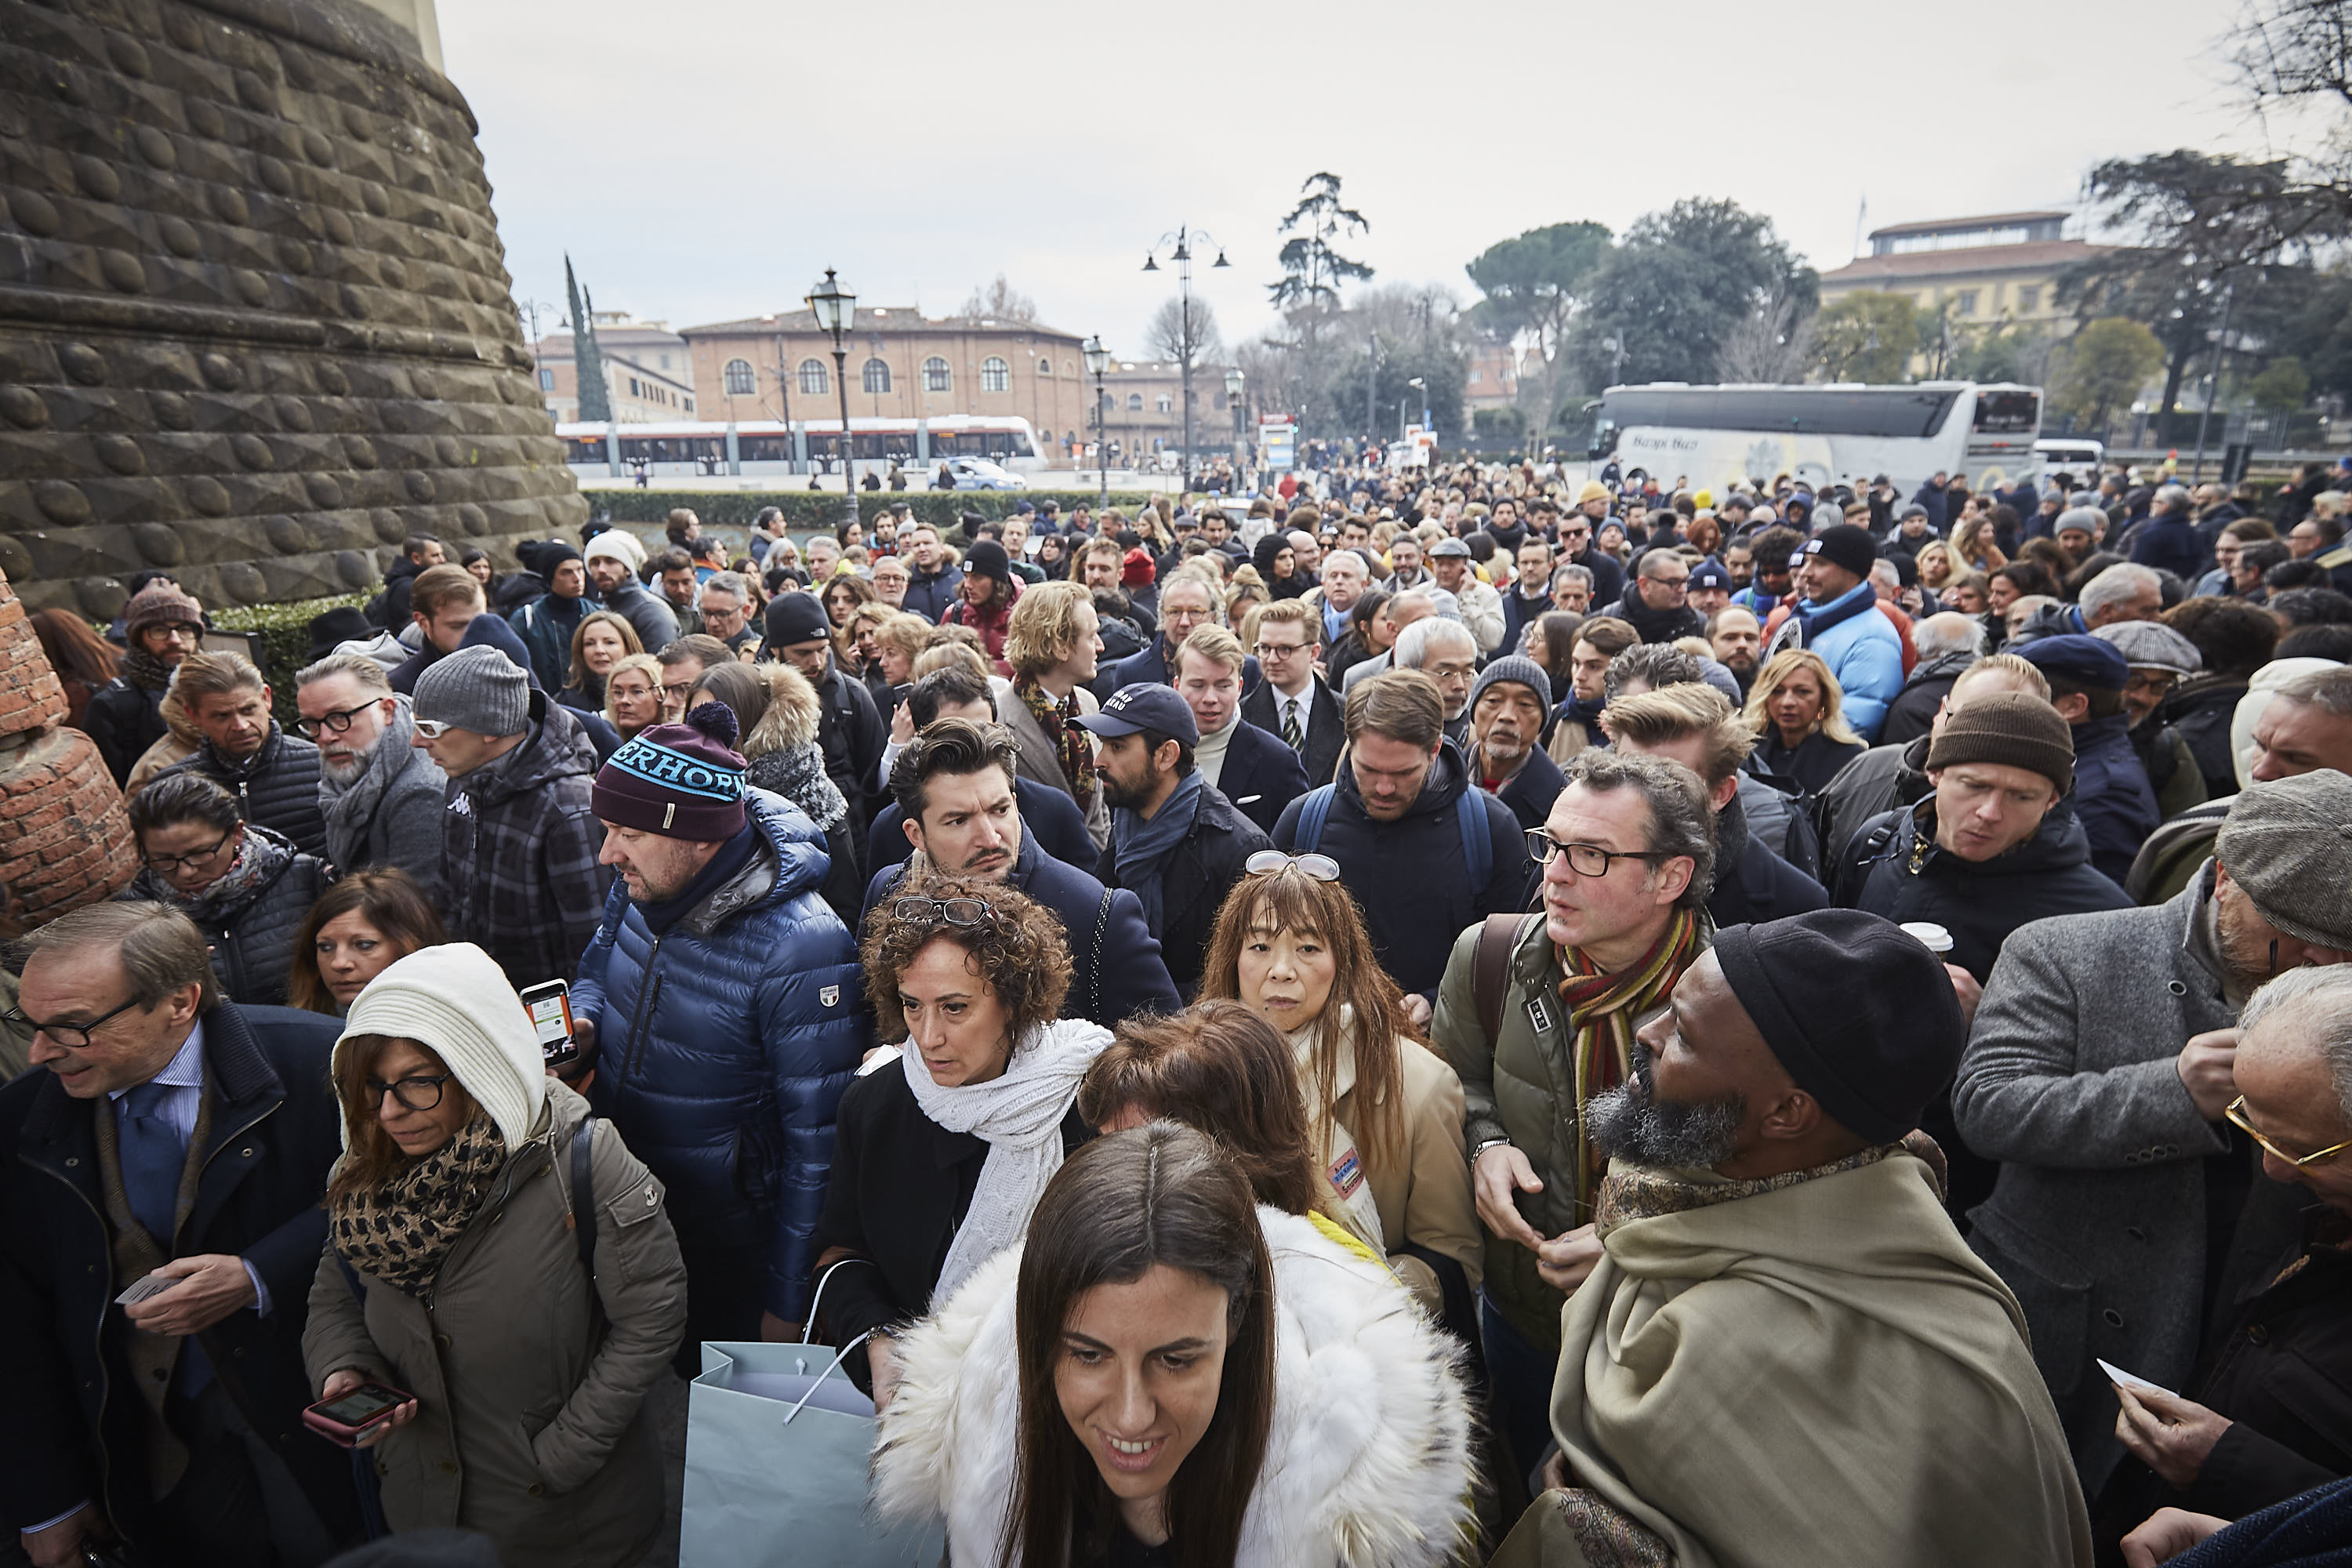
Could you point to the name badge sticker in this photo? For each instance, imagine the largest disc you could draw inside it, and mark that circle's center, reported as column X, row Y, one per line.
column 1347, row 1174
column 1539, row 1014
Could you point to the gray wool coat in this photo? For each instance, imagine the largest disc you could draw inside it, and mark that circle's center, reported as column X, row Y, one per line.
column 2098, row 1219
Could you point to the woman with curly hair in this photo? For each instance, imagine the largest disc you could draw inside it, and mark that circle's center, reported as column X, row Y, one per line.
column 940, row 1158
column 1384, row 1111
column 1797, row 713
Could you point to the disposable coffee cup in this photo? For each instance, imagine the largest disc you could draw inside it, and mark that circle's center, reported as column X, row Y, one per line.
column 1930, row 935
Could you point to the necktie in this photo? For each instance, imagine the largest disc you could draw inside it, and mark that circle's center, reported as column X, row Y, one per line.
column 152, row 1157
column 1290, row 731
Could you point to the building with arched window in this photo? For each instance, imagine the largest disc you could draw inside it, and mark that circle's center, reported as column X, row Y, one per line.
column 904, row 365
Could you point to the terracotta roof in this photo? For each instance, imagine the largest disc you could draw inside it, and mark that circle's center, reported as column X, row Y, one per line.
column 1966, row 261
column 1995, row 221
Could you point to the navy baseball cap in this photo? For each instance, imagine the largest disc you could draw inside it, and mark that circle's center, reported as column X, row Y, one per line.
column 1135, row 709
column 1710, row 573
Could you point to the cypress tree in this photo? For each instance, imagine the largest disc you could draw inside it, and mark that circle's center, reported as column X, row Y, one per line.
column 588, row 362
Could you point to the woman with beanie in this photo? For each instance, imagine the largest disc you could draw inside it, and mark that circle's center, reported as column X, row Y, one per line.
column 985, row 600
column 1166, row 1372
column 244, row 885
column 940, row 1158
column 1385, row 1110
column 775, row 711
column 458, row 1203
column 161, row 626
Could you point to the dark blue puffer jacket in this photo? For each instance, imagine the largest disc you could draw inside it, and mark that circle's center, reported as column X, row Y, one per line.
column 723, row 1072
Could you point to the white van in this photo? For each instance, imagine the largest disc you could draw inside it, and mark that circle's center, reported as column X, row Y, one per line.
column 2071, row 454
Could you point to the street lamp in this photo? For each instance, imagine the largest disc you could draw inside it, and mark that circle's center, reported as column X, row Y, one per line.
column 1241, row 440
column 1098, row 361
column 1182, row 240
column 1416, row 384
column 835, row 309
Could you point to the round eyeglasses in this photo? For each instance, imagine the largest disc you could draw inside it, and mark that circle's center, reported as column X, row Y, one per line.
column 951, row 911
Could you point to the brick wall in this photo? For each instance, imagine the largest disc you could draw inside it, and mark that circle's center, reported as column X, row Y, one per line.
column 65, row 839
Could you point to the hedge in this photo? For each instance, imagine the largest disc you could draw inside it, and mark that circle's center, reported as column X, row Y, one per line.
column 284, row 635
column 822, row 509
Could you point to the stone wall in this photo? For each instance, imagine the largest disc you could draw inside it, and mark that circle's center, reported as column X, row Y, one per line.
column 254, row 323
column 65, row 839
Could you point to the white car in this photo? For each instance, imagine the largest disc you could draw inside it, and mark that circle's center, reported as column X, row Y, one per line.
column 981, row 474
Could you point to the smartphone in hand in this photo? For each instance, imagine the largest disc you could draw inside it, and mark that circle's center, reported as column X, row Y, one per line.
column 343, row 1422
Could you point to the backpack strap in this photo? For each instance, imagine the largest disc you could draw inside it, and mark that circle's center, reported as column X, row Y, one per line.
column 1314, row 810
column 583, row 1196
column 1490, row 969
column 1478, row 845
column 1102, row 934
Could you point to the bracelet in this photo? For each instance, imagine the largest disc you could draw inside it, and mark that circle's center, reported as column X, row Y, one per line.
column 1486, row 1144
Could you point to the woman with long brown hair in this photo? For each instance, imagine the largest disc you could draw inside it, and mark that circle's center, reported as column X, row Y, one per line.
column 357, row 930
column 83, row 661
column 454, row 1272
column 1384, row 1110
column 1147, row 1272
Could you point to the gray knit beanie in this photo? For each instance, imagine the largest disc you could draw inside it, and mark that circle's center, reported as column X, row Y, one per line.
column 2288, row 843
column 1517, row 668
column 477, row 689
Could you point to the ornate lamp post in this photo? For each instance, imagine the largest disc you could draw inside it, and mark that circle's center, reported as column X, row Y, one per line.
column 1098, row 361
column 1234, row 383
column 835, row 308
column 1182, row 240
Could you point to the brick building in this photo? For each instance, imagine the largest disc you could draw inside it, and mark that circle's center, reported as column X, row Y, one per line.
column 901, row 364
column 1147, row 407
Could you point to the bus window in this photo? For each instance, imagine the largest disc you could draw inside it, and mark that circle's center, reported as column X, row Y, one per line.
column 2009, row 413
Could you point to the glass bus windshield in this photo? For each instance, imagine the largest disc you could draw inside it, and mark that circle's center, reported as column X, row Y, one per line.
column 2009, row 413
column 1881, row 411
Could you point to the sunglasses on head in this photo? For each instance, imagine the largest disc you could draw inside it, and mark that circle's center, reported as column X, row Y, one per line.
column 1273, row 862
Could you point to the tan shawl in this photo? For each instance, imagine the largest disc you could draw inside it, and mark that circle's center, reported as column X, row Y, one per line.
column 1813, row 1368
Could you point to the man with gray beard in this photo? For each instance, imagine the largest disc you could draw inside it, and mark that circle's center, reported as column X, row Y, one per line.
column 1786, row 1354
column 381, row 795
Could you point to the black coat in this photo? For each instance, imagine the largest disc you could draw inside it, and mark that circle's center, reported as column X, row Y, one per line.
column 124, row 719
column 1530, row 792
column 1751, row 882
column 1326, row 727
column 2201, row 711
column 74, row 1429
column 1261, row 776
column 1518, row 613
column 1194, row 881
column 1810, row 763
column 278, row 786
column 1116, row 970
column 899, row 1187
column 1410, row 876
column 1047, row 814
column 1655, row 625
column 1913, row 708
column 1895, row 869
column 252, row 941
column 851, row 734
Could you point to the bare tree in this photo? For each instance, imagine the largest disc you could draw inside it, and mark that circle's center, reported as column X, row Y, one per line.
column 1168, row 334
column 1771, row 345
column 1000, row 302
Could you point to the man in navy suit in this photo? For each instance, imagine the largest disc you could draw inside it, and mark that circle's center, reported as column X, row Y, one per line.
column 1186, row 604
column 1292, row 703
column 954, row 787
column 1244, row 764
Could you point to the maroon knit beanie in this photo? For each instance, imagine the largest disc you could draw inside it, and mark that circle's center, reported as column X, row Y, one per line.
column 681, row 781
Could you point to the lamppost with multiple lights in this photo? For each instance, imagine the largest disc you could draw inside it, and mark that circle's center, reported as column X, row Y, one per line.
column 1097, row 362
column 1182, row 240
column 835, row 309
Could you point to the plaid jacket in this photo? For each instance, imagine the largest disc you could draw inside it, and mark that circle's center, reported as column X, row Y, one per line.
column 518, row 845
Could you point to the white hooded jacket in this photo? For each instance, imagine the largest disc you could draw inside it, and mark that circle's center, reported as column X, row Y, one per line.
column 1368, row 1459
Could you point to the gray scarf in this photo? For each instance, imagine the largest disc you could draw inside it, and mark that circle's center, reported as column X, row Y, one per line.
column 349, row 809
column 797, row 773
column 1140, row 848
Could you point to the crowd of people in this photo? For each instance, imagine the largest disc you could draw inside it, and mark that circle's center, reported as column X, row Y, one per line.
column 1472, row 1014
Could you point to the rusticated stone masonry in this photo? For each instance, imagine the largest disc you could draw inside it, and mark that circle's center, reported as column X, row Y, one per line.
column 65, row 839
column 255, row 322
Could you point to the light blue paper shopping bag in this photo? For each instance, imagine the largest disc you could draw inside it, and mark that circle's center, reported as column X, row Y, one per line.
column 776, row 1444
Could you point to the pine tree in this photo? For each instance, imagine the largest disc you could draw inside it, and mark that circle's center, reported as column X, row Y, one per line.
column 587, row 361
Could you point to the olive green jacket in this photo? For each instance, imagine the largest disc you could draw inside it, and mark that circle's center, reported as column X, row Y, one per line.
column 1521, row 1087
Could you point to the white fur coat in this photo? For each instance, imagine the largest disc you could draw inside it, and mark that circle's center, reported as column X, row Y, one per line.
column 1367, row 1460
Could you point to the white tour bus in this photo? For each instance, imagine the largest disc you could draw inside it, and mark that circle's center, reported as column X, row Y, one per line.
column 1712, row 435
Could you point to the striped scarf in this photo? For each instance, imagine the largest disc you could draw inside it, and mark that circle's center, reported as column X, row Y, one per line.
column 1074, row 748
column 1602, row 1010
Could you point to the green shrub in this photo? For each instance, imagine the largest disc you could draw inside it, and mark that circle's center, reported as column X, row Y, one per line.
column 284, row 632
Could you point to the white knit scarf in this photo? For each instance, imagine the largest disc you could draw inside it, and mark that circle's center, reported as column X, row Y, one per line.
column 1019, row 1113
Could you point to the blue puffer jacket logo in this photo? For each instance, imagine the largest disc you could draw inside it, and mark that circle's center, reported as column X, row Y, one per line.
column 723, row 1046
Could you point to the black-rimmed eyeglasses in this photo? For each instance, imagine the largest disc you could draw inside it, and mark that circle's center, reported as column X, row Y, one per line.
column 72, row 1036
column 336, row 723
column 418, row 1093
column 1584, row 859
column 168, row 864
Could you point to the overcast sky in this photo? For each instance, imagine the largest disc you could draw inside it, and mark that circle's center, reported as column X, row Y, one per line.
column 708, row 159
